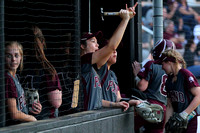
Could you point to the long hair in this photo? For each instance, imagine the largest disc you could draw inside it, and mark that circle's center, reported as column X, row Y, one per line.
column 39, row 52
column 12, row 43
column 177, row 56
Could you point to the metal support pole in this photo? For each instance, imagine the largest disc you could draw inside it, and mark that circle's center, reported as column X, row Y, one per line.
column 136, row 37
column 89, row 18
column 2, row 84
column 157, row 20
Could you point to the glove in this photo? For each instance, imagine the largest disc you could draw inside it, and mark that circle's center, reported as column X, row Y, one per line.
column 152, row 113
column 176, row 124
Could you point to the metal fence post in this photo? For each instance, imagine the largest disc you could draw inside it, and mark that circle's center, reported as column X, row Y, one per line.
column 2, row 91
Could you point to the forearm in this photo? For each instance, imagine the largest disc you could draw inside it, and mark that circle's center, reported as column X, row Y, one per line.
column 196, row 100
column 118, row 34
column 169, row 111
column 55, row 98
column 171, row 14
column 106, row 103
column 18, row 115
column 193, row 105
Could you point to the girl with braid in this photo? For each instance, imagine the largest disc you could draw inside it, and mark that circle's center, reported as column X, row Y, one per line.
column 183, row 93
column 41, row 75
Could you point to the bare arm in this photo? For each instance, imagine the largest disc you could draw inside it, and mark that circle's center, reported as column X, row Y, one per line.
column 142, row 84
column 169, row 110
column 180, row 27
column 55, row 98
column 196, row 100
column 122, row 104
column 118, row 96
column 16, row 114
column 101, row 56
column 183, row 11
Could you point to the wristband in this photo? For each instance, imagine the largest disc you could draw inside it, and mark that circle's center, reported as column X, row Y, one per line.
column 137, row 79
column 110, row 104
column 184, row 115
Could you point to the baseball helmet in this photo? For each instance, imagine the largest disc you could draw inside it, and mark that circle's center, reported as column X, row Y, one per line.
column 160, row 46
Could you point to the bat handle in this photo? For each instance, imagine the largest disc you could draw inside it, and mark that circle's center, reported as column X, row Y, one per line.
column 113, row 13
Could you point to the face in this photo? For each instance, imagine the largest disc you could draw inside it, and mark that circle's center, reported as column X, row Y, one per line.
column 113, row 58
column 92, row 45
column 166, row 66
column 171, row 26
column 164, row 12
column 12, row 57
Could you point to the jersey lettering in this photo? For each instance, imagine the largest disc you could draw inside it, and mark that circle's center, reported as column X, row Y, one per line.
column 162, row 86
column 112, row 86
column 177, row 96
column 22, row 102
column 96, row 82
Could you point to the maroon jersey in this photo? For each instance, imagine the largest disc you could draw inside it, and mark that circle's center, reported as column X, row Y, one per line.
column 156, row 77
column 179, row 91
column 13, row 89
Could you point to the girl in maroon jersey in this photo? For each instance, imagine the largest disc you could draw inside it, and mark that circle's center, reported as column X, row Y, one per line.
column 15, row 99
column 183, row 92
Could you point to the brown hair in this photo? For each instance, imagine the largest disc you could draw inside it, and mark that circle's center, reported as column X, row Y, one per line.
column 177, row 56
column 39, row 51
column 12, row 43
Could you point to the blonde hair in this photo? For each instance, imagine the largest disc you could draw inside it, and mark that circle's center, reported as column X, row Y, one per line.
column 15, row 43
column 177, row 56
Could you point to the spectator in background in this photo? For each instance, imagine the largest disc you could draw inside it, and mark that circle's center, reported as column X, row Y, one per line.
column 40, row 74
column 198, row 51
column 196, row 32
column 193, row 65
column 189, row 15
column 174, row 15
column 171, row 35
column 16, row 108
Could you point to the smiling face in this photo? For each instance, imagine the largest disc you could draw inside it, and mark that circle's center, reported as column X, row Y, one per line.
column 13, row 57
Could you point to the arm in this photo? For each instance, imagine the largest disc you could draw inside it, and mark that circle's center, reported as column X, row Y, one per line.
column 169, row 110
column 55, row 98
column 194, row 13
column 196, row 100
column 180, row 27
column 171, row 13
column 185, row 12
column 118, row 96
column 122, row 104
column 142, row 84
column 101, row 56
column 16, row 114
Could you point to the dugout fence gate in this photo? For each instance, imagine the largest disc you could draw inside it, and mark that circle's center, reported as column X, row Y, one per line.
column 60, row 24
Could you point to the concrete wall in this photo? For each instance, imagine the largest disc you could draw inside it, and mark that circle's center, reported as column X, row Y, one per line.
column 99, row 121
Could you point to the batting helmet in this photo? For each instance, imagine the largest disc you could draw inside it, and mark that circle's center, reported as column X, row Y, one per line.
column 160, row 46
